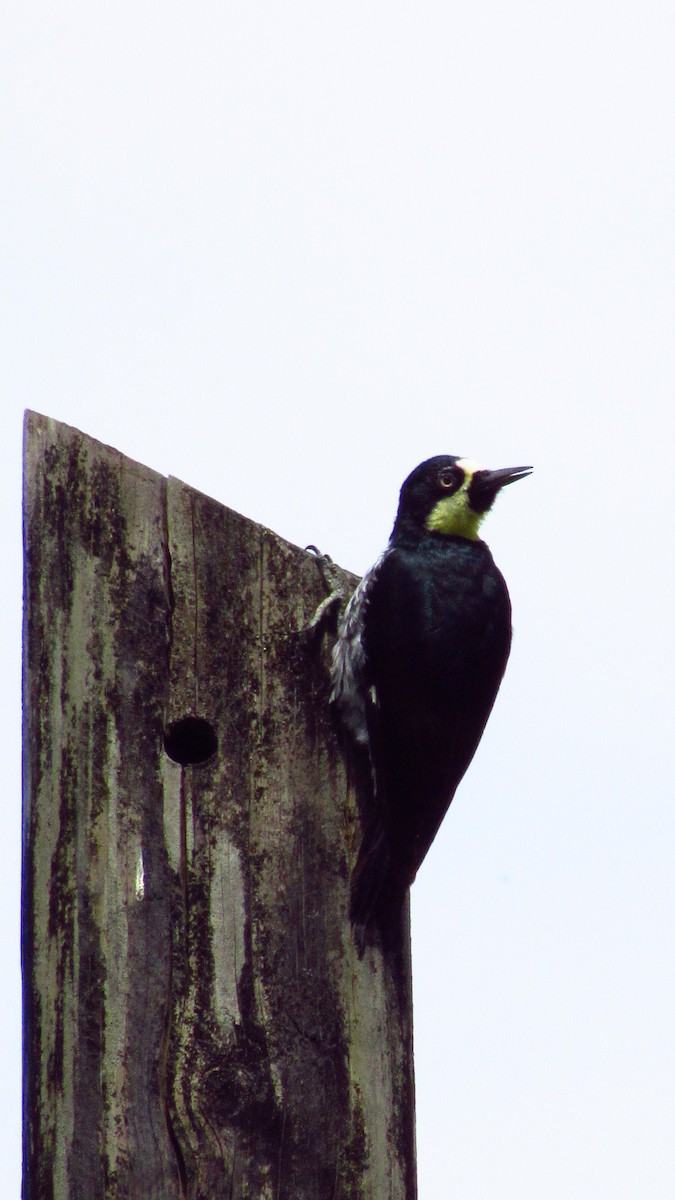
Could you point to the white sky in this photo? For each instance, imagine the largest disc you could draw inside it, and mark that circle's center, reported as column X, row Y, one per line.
column 285, row 251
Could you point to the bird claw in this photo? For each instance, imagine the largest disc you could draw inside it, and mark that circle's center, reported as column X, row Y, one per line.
column 330, row 574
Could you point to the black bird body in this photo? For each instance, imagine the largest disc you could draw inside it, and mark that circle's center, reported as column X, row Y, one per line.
column 420, row 655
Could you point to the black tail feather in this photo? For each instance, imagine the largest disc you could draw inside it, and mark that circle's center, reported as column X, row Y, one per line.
column 377, row 892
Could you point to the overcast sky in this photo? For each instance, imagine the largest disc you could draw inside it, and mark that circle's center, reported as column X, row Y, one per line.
column 287, row 250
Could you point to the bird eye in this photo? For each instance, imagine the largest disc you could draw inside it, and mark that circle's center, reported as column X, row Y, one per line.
column 450, row 479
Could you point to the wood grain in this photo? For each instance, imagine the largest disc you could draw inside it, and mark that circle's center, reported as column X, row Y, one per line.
column 198, row 1022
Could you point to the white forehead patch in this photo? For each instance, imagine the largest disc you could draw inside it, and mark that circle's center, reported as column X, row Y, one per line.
column 469, row 465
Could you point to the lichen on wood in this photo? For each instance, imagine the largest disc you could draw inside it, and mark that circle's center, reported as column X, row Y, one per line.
column 198, row 1022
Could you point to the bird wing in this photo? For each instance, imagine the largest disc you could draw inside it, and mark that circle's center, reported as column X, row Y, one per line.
column 431, row 673
column 351, row 684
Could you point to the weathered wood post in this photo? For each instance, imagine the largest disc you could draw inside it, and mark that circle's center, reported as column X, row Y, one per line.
column 197, row 1020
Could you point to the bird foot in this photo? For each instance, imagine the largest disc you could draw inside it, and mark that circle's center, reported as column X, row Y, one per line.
column 334, row 601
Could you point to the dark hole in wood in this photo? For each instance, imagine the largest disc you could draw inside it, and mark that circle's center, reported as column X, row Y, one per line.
column 190, row 741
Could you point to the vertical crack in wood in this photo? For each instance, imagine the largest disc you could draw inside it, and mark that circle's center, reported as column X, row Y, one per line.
column 195, row 626
column 164, row 1088
column 183, row 868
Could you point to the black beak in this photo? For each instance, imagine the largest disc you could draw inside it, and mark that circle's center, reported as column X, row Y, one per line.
column 485, row 485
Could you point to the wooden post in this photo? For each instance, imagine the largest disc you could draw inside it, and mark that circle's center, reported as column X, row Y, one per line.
column 197, row 1020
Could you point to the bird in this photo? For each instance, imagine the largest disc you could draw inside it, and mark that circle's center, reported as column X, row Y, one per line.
column 420, row 652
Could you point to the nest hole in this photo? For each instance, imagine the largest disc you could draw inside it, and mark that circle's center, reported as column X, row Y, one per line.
column 191, row 741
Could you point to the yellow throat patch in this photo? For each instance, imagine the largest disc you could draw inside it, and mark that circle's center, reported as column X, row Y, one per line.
column 453, row 514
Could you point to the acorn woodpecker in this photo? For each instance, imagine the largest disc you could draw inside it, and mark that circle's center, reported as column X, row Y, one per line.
column 421, row 650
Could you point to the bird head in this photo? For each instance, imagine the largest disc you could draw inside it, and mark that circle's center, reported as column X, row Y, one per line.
column 450, row 495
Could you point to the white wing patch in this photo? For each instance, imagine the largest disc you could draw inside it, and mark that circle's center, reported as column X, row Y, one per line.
column 349, row 659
